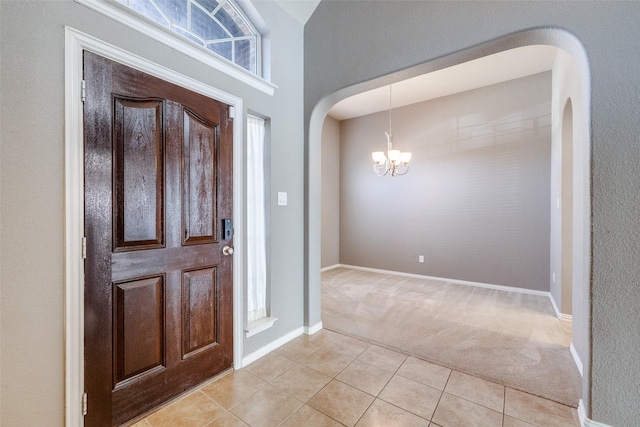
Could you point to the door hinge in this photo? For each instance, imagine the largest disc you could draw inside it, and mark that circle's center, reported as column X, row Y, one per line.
column 83, row 90
column 85, row 398
column 232, row 112
column 84, row 248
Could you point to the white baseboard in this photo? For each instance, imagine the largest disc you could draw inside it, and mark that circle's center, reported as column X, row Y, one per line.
column 582, row 413
column 567, row 317
column 263, row 351
column 331, row 267
column 572, row 349
column 456, row 281
column 586, row 422
column 576, row 359
column 249, row 358
column 310, row 330
column 555, row 306
column 560, row 315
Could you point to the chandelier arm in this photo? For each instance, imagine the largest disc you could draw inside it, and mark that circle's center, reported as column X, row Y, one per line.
column 377, row 170
column 406, row 169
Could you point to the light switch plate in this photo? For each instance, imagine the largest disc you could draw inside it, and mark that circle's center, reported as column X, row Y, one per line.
column 282, row 198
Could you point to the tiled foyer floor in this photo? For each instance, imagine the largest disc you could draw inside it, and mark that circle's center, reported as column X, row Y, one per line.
column 328, row 379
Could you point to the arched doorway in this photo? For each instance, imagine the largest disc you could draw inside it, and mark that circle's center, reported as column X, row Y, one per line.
column 578, row 74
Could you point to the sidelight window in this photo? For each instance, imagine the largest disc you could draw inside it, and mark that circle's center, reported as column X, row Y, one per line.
column 256, row 221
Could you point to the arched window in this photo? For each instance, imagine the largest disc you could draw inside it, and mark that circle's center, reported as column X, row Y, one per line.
column 217, row 25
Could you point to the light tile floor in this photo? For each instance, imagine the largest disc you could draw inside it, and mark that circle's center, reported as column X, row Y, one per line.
column 328, row 379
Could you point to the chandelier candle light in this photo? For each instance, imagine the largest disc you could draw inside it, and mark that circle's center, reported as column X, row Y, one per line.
column 395, row 162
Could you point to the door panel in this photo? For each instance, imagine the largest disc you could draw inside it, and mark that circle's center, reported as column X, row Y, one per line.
column 158, row 292
column 199, row 310
column 199, row 180
column 138, row 310
column 138, row 168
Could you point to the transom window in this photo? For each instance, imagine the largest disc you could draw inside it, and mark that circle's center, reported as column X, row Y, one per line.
column 218, row 25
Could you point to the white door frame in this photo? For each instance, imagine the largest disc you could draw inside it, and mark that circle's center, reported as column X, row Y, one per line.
column 75, row 43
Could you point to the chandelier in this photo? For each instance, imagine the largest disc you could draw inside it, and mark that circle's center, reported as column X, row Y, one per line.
column 395, row 162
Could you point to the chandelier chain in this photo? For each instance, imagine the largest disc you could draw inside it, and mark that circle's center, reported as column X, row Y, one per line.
column 394, row 161
column 390, row 133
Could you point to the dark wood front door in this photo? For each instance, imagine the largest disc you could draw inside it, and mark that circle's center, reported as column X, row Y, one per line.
column 158, row 289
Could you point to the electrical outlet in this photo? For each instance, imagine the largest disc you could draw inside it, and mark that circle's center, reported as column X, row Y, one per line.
column 421, row 258
column 553, row 277
column 282, row 199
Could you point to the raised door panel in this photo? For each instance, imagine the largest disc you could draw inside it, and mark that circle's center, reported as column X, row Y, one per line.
column 138, row 314
column 199, row 180
column 138, row 174
column 199, row 313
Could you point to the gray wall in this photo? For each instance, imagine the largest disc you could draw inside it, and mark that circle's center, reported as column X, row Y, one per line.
column 32, row 187
column 330, row 192
column 475, row 202
column 350, row 45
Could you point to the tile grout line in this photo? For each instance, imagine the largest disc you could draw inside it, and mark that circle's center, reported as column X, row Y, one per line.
column 441, row 394
column 383, row 387
column 504, row 404
column 303, row 403
column 323, row 387
column 471, row 401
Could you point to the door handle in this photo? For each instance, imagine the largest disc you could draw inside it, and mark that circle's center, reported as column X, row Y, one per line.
column 227, row 250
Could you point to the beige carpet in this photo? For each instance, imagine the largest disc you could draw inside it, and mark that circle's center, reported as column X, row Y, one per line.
column 510, row 338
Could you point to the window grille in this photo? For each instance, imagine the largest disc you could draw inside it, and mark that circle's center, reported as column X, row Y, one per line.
column 217, row 25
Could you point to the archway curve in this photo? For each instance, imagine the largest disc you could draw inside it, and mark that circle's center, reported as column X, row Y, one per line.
column 582, row 147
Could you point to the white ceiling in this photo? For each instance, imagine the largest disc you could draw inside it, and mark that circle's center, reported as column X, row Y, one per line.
column 489, row 70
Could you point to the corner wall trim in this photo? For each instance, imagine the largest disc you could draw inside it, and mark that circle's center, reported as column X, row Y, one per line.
column 310, row 330
column 560, row 315
column 576, row 359
column 555, row 306
column 263, row 351
column 331, row 267
column 586, row 422
column 566, row 317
